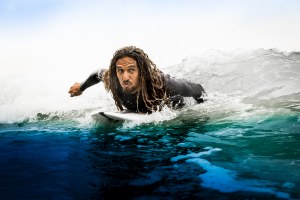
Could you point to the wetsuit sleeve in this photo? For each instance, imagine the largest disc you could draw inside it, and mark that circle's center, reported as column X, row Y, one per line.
column 184, row 88
column 93, row 79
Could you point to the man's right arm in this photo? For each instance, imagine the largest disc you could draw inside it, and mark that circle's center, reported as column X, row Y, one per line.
column 93, row 79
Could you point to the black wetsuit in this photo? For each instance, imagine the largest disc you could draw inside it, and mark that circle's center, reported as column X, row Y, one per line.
column 176, row 89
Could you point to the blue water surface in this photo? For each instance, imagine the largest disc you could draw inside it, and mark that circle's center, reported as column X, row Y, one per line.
column 242, row 143
column 183, row 158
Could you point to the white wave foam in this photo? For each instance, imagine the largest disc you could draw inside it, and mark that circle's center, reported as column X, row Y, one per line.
column 155, row 118
column 261, row 73
column 234, row 81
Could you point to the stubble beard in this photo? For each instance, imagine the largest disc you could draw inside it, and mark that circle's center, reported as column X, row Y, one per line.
column 129, row 90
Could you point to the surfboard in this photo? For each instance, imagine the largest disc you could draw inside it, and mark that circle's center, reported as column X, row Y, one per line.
column 118, row 116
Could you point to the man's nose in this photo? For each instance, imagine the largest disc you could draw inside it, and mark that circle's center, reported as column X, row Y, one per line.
column 125, row 76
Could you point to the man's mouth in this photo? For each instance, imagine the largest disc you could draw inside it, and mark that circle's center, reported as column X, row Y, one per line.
column 127, row 83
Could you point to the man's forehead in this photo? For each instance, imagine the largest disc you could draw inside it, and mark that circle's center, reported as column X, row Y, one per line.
column 126, row 61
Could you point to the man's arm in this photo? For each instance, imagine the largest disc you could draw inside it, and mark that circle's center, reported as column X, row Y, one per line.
column 184, row 88
column 93, row 79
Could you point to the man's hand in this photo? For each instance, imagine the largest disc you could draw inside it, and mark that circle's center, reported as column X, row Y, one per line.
column 75, row 90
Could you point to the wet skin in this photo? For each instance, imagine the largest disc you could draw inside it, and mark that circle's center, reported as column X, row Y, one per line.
column 128, row 75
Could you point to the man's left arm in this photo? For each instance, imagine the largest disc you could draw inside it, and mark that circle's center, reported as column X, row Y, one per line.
column 185, row 88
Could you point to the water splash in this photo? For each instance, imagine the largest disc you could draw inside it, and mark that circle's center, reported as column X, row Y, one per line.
column 236, row 81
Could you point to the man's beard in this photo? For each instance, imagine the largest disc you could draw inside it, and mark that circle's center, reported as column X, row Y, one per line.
column 129, row 90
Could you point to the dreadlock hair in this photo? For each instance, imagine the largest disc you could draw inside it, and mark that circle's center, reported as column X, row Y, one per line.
column 153, row 89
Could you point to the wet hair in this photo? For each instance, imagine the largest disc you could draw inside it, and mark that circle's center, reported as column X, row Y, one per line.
column 153, row 89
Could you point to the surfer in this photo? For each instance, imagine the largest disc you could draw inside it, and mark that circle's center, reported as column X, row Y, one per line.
column 138, row 85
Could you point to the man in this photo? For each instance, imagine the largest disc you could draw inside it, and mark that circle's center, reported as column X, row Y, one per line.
column 137, row 85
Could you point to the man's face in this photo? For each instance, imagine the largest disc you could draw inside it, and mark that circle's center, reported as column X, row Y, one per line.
column 128, row 75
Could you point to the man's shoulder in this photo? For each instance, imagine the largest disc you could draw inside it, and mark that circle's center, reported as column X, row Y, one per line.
column 166, row 76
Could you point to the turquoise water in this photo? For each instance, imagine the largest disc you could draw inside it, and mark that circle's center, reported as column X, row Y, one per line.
column 242, row 143
column 186, row 157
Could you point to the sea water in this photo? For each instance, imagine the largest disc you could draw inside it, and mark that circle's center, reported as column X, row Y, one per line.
column 241, row 143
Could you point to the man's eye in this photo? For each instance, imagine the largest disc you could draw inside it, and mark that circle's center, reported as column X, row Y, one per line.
column 119, row 70
column 131, row 71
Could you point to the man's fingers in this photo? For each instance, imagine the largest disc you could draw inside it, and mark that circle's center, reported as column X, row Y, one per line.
column 71, row 88
column 74, row 90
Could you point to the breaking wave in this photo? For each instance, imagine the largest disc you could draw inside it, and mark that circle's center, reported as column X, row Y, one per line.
column 235, row 81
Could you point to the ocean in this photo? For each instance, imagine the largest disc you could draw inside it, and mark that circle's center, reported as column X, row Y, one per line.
column 241, row 143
